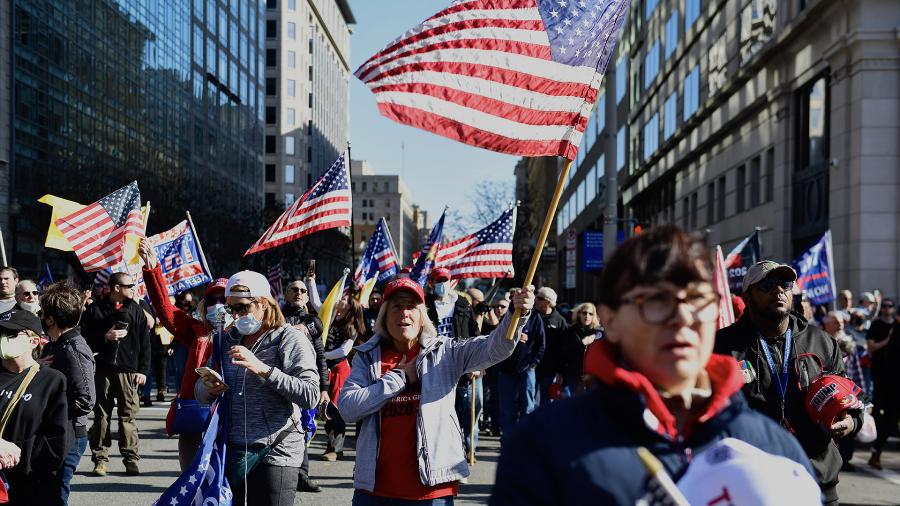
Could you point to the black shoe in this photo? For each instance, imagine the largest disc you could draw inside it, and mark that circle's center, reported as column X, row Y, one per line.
column 146, row 402
column 308, row 485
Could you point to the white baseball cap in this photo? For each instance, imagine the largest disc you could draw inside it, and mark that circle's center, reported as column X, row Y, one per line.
column 257, row 283
column 735, row 473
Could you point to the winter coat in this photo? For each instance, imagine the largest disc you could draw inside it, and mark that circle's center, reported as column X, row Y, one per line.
column 131, row 354
column 583, row 450
column 72, row 357
column 297, row 315
column 554, row 326
column 570, row 361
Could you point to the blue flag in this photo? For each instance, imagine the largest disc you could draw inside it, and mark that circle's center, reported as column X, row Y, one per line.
column 204, row 481
column 429, row 254
column 179, row 254
column 815, row 271
column 46, row 278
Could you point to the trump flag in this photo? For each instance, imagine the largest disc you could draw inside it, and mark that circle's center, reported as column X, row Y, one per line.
column 179, row 256
column 815, row 271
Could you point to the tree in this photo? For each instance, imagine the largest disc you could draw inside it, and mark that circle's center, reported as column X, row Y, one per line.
column 489, row 199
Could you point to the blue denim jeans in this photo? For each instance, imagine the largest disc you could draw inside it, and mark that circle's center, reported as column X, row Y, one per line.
column 70, row 464
column 361, row 498
column 464, row 411
column 517, row 393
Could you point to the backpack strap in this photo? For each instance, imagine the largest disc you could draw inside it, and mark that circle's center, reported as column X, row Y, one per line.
column 17, row 396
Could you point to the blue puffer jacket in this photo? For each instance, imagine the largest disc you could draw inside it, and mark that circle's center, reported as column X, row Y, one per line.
column 583, row 450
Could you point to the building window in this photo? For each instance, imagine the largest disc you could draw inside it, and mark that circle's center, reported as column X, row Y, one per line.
column 292, row 59
column 620, row 149
column 691, row 13
column 671, row 34
column 365, row 187
column 291, row 116
column 621, row 78
column 740, row 190
column 720, row 198
column 271, row 86
column 270, row 172
column 292, row 31
column 271, row 4
column 289, row 174
column 292, row 5
column 591, row 188
column 693, row 210
column 310, row 100
column 710, row 203
column 814, row 126
column 289, row 145
column 288, row 199
column 670, row 120
column 309, row 156
column 649, row 7
column 270, row 144
column 691, row 92
column 270, row 200
column 271, row 28
column 755, row 182
column 291, row 88
column 365, row 203
column 271, row 116
column 686, row 213
column 770, row 174
column 651, row 64
column 651, row 136
column 601, row 113
column 271, row 57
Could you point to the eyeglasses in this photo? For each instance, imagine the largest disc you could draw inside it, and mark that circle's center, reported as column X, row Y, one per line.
column 238, row 309
column 660, row 307
column 301, row 290
column 769, row 284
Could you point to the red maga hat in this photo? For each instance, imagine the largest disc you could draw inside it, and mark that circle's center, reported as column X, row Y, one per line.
column 440, row 274
column 216, row 286
column 404, row 285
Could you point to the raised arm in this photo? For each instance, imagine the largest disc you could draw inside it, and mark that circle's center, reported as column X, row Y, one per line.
column 482, row 352
column 175, row 320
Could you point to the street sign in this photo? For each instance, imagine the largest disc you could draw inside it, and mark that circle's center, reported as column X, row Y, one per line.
column 571, row 238
column 571, row 258
column 570, row 277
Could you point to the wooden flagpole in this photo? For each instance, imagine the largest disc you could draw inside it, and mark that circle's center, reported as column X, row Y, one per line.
column 542, row 238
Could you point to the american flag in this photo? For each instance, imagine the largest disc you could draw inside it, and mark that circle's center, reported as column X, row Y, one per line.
column 514, row 76
column 326, row 204
column 379, row 259
column 276, row 276
column 485, row 254
column 426, row 260
column 97, row 232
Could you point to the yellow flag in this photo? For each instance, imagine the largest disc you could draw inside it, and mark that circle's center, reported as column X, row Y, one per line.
column 61, row 207
column 326, row 311
column 132, row 241
column 367, row 288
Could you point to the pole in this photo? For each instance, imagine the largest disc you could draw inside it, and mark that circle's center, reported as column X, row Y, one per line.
column 199, row 246
column 610, row 171
column 352, row 221
column 542, row 238
column 472, row 426
column 3, row 248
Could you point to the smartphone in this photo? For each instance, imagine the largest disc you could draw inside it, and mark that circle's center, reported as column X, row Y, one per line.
column 120, row 325
column 206, row 373
column 312, row 266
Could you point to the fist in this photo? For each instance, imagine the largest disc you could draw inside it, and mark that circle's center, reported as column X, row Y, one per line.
column 523, row 298
column 114, row 335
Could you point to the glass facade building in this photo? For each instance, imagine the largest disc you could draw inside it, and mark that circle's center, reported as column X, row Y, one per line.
column 167, row 92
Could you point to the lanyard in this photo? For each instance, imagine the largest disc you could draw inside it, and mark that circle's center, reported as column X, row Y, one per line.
column 781, row 379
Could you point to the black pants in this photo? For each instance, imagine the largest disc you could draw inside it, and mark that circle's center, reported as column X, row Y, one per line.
column 304, row 467
column 886, row 412
column 335, row 428
column 268, row 486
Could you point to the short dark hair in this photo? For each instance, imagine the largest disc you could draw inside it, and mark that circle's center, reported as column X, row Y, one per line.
column 664, row 253
column 120, row 278
column 63, row 303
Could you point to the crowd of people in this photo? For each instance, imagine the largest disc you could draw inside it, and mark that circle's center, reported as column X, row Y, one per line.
column 583, row 396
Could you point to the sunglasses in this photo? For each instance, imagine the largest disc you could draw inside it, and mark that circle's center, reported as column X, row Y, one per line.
column 238, row 309
column 769, row 284
column 127, row 286
column 301, row 290
column 34, row 293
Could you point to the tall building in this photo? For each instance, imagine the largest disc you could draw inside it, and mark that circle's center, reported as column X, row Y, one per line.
column 166, row 92
column 376, row 196
column 535, row 181
column 724, row 116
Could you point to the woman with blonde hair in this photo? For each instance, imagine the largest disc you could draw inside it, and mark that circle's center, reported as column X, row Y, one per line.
column 573, row 343
column 269, row 371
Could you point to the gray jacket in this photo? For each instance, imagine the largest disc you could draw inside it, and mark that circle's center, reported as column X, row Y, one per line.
column 261, row 408
column 73, row 357
column 440, row 364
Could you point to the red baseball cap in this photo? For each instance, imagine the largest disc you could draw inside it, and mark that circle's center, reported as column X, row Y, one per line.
column 440, row 274
column 404, row 285
column 216, row 286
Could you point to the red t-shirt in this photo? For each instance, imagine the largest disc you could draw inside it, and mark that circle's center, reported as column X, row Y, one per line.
column 397, row 472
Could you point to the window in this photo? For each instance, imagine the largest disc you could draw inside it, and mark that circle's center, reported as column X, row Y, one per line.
column 270, row 172
column 710, row 203
column 686, row 213
column 289, row 174
column 309, row 160
column 271, row 28
column 691, row 92
column 271, row 116
column 289, row 145
column 591, row 131
column 651, row 64
column 291, row 88
column 814, row 125
column 649, row 7
column 270, row 144
column 720, row 198
column 292, row 59
column 582, row 196
column 693, row 210
column 740, row 190
column 669, row 115
column 291, row 116
column 270, row 200
column 271, row 86
column 620, row 149
column 271, row 57
column 292, row 31
column 310, row 100
column 288, row 199
column 755, row 183
column 691, row 13
column 292, row 5
column 365, row 202
column 672, row 33
column 651, row 136
column 374, row 186
column 365, row 187
column 770, row 174
column 601, row 113
column 271, row 4
column 621, row 78
column 591, row 187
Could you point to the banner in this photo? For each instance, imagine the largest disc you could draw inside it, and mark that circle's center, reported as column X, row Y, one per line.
column 745, row 254
column 179, row 256
column 815, row 272
column 720, row 282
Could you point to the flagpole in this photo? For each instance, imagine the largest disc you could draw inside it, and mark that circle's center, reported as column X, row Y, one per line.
column 199, row 246
column 542, row 238
column 472, row 426
column 352, row 220
column 3, row 248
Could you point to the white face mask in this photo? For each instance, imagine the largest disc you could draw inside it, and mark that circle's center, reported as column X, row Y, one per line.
column 214, row 311
column 15, row 346
column 247, row 324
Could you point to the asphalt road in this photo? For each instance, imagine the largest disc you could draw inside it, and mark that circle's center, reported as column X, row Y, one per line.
column 159, row 468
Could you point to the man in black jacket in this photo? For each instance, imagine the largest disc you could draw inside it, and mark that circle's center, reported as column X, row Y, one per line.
column 759, row 341
column 554, row 328
column 116, row 329
column 296, row 298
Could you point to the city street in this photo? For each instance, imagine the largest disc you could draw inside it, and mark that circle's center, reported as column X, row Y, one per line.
column 160, row 463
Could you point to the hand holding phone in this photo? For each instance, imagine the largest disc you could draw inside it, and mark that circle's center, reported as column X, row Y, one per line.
column 212, row 380
column 311, row 270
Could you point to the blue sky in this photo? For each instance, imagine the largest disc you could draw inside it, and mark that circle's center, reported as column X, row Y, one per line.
column 437, row 171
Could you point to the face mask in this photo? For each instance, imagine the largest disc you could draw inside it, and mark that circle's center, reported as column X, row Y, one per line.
column 213, row 312
column 247, row 324
column 14, row 347
column 440, row 289
column 31, row 307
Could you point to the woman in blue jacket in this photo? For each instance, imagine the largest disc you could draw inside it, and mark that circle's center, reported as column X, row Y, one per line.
column 656, row 385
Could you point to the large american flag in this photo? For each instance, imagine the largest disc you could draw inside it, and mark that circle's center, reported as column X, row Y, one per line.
column 326, row 204
column 514, row 76
column 97, row 232
column 485, row 254
column 379, row 259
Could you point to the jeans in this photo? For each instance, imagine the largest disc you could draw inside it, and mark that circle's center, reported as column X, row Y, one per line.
column 361, row 498
column 464, row 411
column 69, row 465
column 516, row 398
column 267, row 485
column 176, row 366
column 119, row 388
column 544, row 383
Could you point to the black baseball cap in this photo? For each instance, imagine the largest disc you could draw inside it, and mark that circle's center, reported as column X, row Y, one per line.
column 21, row 320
